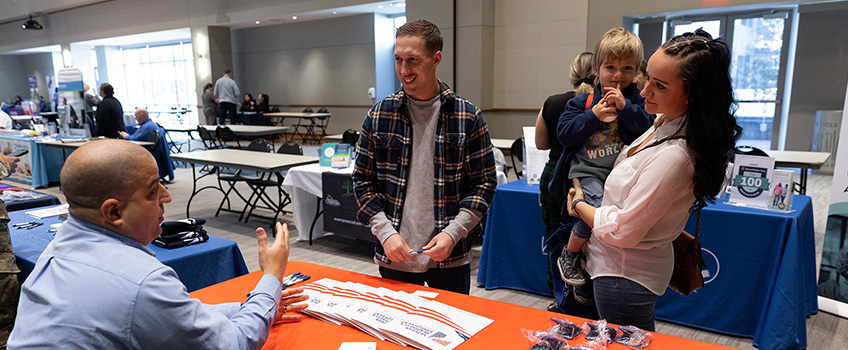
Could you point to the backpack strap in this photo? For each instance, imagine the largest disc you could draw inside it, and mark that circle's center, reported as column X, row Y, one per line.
column 589, row 101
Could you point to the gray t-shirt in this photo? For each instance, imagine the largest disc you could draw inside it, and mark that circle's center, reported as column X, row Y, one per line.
column 598, row 154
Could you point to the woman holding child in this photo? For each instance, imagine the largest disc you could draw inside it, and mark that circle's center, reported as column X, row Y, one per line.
column 676, row 166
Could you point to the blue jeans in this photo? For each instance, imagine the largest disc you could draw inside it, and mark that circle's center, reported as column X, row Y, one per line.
column 593, row 194
column 622, row 301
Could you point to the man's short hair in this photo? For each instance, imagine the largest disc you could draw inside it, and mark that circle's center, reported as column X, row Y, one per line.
column 425, row 29
column 227, row 71
column 619, row 43
column 107, row 89
column 207, row 86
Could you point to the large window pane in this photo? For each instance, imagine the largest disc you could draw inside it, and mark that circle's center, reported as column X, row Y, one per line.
column 161, row 78
column 755, row 65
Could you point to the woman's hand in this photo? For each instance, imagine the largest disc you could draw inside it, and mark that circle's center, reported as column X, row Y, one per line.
column 574, row 193
column 291, row 302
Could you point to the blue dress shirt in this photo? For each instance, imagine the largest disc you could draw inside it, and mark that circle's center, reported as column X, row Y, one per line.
column 144, row 130
column 95, row 289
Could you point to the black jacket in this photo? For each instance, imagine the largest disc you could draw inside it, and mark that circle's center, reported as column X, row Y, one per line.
column 109, row 118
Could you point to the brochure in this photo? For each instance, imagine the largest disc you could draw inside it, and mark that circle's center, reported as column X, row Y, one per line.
column 534, row 159
column 327, row 152
column 341, row 156
column 781, row 189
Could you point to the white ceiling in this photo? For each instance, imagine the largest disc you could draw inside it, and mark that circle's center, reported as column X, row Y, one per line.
column 395, row 7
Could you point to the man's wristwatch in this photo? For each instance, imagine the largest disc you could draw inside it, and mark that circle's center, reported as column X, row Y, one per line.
column 574, row 205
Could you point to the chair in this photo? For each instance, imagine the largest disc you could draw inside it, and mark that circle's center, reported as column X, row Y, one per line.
column 750, row 151
column 225, row 134
column 259, row 186
column 300, row 123
column 257, row 145
column 350, row 137
column 517, row 151
column 153, row 137
column 209, row 140
column 318, row 122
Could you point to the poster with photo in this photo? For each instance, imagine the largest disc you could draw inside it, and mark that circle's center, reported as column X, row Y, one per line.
column 23, row 173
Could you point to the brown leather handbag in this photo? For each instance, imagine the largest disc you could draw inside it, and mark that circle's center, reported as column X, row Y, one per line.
column 688, row 262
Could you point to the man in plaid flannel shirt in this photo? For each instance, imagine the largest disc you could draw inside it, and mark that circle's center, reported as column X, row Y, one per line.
column 425, row 171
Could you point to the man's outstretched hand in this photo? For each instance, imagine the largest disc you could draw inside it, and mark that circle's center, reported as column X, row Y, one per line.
column 273, row 259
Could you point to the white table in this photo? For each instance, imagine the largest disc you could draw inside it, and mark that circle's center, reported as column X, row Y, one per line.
column 304, row 185
column 279, row 117
column 798, row 159
column 503, row 144
column 77, row 143
column 238, row 159
column 250, row 130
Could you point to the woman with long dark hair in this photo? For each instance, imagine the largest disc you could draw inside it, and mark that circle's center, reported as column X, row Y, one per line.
column 677, row 166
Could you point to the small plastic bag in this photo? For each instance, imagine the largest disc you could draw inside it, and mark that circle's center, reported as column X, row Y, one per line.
column 600, row 332
column 634, row 337
column 565, row 328
column 544, row 340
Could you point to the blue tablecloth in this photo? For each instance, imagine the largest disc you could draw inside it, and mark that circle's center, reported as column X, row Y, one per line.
column 513, row 246
column 760, row 276
column 198, row 266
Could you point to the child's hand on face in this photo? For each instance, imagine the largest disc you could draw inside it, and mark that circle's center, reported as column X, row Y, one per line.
column 614, row 97
column 605, row 111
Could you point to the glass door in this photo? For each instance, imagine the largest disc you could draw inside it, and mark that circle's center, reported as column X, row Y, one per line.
column 757, row 67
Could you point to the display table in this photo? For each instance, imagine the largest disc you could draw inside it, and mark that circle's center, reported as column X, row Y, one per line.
column 23, row 199
column 503, row 333
column 304, row 185
column 39, row 167
column 514, row 233
column 760, row 280
column 197, row 266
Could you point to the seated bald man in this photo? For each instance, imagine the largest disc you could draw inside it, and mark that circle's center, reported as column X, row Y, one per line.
column 145, row 127
column 98, row 285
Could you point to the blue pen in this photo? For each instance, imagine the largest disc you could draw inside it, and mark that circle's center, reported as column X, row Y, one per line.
column 418, row 251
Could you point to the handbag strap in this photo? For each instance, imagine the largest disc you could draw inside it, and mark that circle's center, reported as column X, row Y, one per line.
column 698, row 222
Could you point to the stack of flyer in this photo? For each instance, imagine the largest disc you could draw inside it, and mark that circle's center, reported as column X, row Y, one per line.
column 396, row 316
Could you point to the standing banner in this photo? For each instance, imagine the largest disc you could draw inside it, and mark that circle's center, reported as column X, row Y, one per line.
column 71, row 87
column 833, row 274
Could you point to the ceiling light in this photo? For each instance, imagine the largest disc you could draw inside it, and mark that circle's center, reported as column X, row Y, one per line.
column 335, row 12
column 400, row 4
column 380, row 6
column 31, row 24
column 257, row 22
column 294, row 17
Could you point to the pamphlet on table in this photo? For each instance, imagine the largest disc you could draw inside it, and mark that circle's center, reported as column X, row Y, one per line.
column 781, row 189
column 395, row 316
column 534, row 158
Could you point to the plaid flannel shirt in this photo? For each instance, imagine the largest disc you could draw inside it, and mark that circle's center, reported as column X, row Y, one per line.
column 463, row 160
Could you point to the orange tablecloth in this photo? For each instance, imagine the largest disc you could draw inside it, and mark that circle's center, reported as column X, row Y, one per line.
column 503, row 333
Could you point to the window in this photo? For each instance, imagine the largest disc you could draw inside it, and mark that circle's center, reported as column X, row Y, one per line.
column 161, row 78
column 758, row 60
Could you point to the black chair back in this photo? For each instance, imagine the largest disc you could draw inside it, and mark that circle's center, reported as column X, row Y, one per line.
column 225, row 134
column 153, row 137
column 291, row 147
column 260, row 145
column 307, row 110
column 350, row 137
column 516, row 151
column 323, row 110
column 207, row 138
column 750, row 151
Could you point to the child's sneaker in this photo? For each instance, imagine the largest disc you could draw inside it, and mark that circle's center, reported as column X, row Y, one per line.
column 569, row 268
column 584, row 294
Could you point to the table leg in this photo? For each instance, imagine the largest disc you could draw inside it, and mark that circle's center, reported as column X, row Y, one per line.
column 318, row 213
column 195, row 191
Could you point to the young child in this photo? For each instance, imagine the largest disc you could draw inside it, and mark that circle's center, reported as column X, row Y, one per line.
column 593, row 129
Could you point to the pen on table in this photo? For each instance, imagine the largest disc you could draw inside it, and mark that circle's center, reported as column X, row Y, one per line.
column 24, row 224
column 34, row 225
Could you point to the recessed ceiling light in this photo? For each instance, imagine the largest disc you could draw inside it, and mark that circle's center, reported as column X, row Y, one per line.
column 257, row 22
column 380, row 6
column 400, row 4
column 335, row 12
column 294, row 17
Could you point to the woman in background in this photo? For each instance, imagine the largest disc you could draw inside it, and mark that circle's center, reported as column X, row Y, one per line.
column 263, row 104
column 210, row 104
column 249, row 104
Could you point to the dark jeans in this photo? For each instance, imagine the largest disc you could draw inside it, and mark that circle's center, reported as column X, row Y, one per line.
column 622, row 301
column 454, row 279
column 593, row 193
column 226, row 111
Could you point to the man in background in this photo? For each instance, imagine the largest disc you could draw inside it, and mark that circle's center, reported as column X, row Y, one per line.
column 109, row 117
column 210, row 104
column 228, row 93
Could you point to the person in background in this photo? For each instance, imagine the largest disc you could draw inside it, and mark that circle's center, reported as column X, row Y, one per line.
column 227, row 92
column 6, row 121
column 18, row 101
column 642, row 77
column 162, row 154
column 210, row 104
column 248, row 104
column 263, row 104
column 675, row 167
column 73, row 120
column 43, row 105
column 109, row 118
column 582, row 78
column 98, row 286
column 422, row 190
column 91, row 100
column 9, row 289
column 145, row 127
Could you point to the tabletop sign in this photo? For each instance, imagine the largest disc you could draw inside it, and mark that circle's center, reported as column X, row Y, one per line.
column 341, row 156
column 534, row 158
column 327, row 152
column 750, row 180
